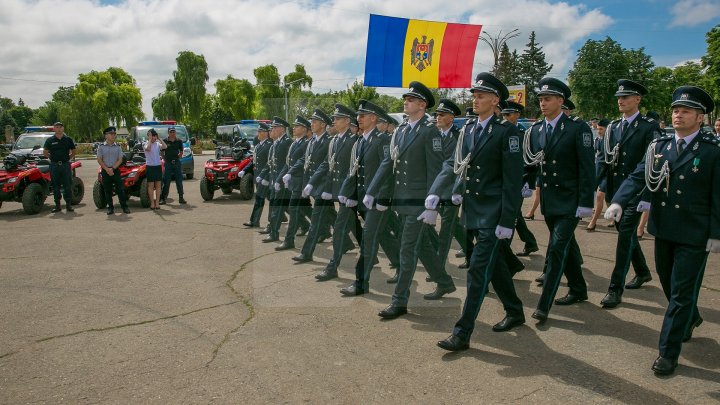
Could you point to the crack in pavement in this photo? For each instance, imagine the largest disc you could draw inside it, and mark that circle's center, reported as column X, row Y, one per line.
column 526, row 395
column 199, row 223
column 246, row 301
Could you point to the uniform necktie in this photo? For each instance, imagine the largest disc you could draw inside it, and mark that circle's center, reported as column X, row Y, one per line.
column 626, row 124
column 680, row 146
column 476, row 134
column 404, row 135
column 549, row 130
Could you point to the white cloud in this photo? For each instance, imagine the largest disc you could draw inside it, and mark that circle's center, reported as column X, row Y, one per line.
column 55, row 40
column 693, row 12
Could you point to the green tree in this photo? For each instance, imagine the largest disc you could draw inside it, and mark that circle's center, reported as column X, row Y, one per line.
column 660, row 88
column 190, row 79
column 711, row 63
column 593, row 77
column 166, row 106
column 356, row 92
column 6, row 119
column 533, row 67
column 235, row 97
column 508, row 67
column 269, row 92
column 22, row 116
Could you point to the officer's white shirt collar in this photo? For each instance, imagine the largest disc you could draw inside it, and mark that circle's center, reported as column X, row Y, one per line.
column 688, row 139
column 631, row 118
column 554, row 121
column 109, row 144
column 412, row 124
column 485, row 122
column 367, row 134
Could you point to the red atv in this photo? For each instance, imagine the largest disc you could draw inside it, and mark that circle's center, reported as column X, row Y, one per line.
column 223, row 173
column 133, row 173
column 26, row 179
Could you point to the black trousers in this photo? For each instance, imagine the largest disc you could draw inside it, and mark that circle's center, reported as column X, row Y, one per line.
column 628, row 248
column 278, row 206
column 450, row 227
column 415, row 238
column 321, row 219
column 172, row 168
column 108, row 182
column 299, row 217
column 375, row 233
column 524, row 233
column 563, row 257
column 487, row 264
column 257, row 210
column 347, row 222
column 61, row 176
column 680, row 269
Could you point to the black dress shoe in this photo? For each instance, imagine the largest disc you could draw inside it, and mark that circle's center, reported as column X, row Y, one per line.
column 664, row 366
column 323, row 237
column 250, row 225
column 69, row 208
column 517, row 270
column 540, row 280
column 302, row 232
column 454, row 343
column 694, row 325
column 541, row 316
column 392, row 312
column 460, row 253
column 394, row 265
column 264, row 231
column 126, row 210
column 570, row 299
column 393, row 279
column 637, row 282
column 428, row 279
column 302, row 259
column 327, row 274
column 181, row 200
column 110, row 211
column 352, row 291
column 285, row 246
column 508, row 323
column 270, row 239
column 56, row 209
column 439, row 292
column 527, row 251
column 611, row 299
column 465, row 265
column 162, row 201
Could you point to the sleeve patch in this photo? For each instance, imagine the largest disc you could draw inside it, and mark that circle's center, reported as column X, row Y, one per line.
column 587, row 139
column 514, row 144
column 437, row 145
column 386, row 151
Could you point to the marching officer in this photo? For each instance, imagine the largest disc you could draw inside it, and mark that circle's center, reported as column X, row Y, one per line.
column 292, row 176
column 512, row 113
column 625, row 143
column 279, row 196
column 331, row 173
column 681, row 178
column 323, row 212
column 258, row 164
column 490, row 170
column 562, row 148
column 368, row 152
column 416, row 157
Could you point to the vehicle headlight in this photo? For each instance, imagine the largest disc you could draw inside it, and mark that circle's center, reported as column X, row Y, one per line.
column 234, row 169
column 187, row 152
column 132, row 174
column 12, row 180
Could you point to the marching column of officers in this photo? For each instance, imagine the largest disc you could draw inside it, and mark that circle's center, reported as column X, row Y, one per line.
column 392, row 180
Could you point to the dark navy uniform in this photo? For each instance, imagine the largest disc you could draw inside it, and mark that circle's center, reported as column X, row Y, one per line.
column 624, row 146
column 683, row 187
column 279, row 195
column 299, row 206
column 258, row 165
column 567, row 185
column 415, row 160
column 60, row 151
column 323, row 211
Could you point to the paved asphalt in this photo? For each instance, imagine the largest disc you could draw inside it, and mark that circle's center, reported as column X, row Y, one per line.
column 184, row 305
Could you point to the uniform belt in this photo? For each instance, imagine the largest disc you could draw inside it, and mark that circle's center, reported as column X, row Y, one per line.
column 59, row 162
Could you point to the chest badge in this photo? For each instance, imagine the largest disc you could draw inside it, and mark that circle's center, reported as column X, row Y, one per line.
column 696, row 162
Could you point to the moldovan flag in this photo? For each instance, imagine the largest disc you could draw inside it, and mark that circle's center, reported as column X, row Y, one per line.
column 438, row 54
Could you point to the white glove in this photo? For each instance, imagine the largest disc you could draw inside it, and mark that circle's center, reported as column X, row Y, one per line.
column 527, row 192
column 241, row 174
column 380, row 208
column 326, row 196
column 265, row 183
column 643, row 206
column 614, row 212
column 583, row 212
column 431, row 202
column 368, row 201
column 457, row 199
column 429, row 217
column 503, row 233
column 342, row 199
column 351, row 203
column 307, row 190
column 286, row 179
column 713, row 246
column 258, row 179
column 277, row 186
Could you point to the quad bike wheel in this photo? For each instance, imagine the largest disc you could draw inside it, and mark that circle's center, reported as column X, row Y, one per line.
column 99, row 195
column 227, row 190
column 246, row 187
column 189, row 176
column 78, row 190
column 33, row 198
column 206, row 190
column 144, row 195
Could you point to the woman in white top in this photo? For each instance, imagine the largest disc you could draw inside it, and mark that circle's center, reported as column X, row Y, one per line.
column 153, row 146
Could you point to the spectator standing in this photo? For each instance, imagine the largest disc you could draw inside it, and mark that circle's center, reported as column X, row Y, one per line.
column 173, row 167
column 152, row 147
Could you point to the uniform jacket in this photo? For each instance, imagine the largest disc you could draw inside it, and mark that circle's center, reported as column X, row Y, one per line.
column 370, row 155
column 331, row 180
column 260, row 163
column 410, row 175
column 295, row 165
column 492, row 185
column 315, row 153
column 632, row 149
column 688, row 209
column 276, row 161
column 567, row 176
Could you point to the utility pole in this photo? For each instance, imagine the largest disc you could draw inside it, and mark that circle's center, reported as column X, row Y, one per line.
column 285, row 87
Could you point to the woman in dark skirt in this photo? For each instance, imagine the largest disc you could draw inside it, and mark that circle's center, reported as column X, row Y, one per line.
column 599, row 174
column 153, row 146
